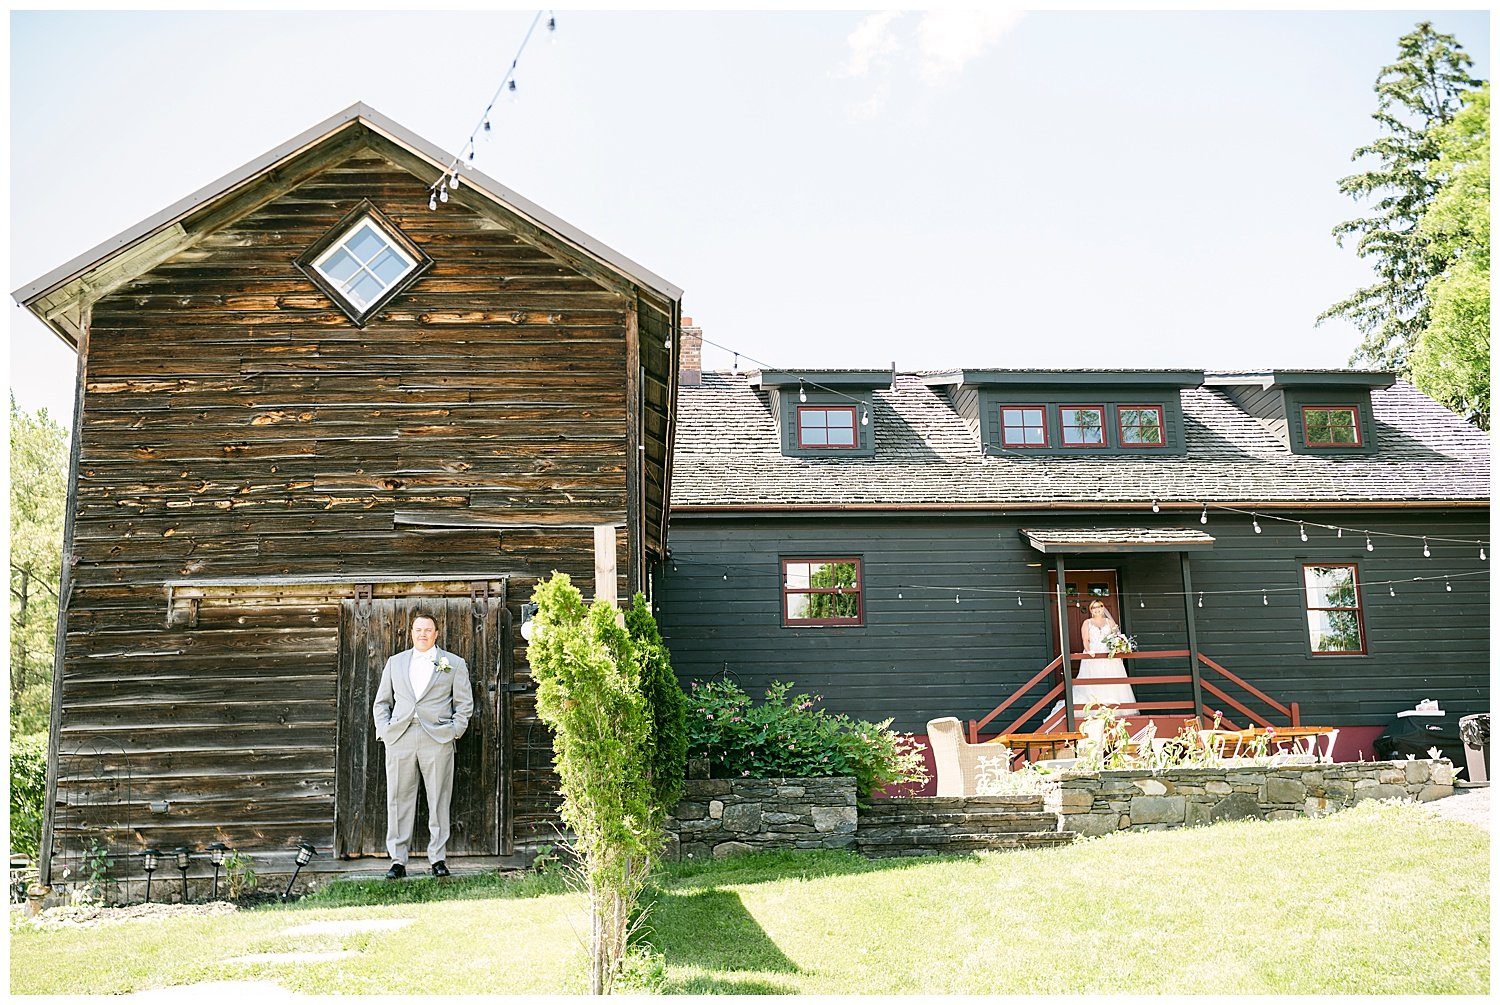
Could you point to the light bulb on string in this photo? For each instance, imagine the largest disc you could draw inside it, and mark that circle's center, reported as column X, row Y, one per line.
column 1200, row 598
column 1155, row 506
column 1204, row 517
column 511, row 89
column 432, row 201
column 736, row 364
column 900, row 596
column 1302, row 531
column 1447, row 585
column 453, row 179
column 1265, row 601
column 443, row 193
column 486, row 126
column 1255, row 522
column 955, row 598
column 1426, row 551
column 1393, row 589
column 1018, row 599
column 1369, row 545
column 552, row 30
column 1341, row 531
column 864, row 416
column 1481, row 553
column 801, row 391
column 1143, row 603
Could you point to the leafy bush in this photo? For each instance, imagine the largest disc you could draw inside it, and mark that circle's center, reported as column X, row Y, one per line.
column 793, row 738
column 28, row 793
column 668, row 740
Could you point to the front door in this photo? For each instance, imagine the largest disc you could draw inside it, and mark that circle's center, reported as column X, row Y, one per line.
column 371, row 629
column 1082, row 586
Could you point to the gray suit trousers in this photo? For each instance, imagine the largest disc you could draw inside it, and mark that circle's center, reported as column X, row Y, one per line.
column 415, row 755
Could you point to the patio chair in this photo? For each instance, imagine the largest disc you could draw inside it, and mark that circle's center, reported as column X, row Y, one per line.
column 956, row 759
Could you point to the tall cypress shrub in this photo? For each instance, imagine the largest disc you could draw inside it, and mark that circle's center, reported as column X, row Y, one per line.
column 667, row 755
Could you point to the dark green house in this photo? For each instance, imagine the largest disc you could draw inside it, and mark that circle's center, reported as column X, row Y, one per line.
column 894, row 542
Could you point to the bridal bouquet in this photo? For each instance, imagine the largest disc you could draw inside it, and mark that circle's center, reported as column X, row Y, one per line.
column 1118, row 643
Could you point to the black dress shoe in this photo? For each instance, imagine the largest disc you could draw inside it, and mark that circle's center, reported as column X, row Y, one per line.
column 396, row 871
column 440, row 869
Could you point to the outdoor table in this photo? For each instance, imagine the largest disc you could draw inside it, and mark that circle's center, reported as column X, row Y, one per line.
column 1042, row 741
column 1303, row 739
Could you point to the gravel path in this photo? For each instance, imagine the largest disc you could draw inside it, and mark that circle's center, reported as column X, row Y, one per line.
column 1469, row 805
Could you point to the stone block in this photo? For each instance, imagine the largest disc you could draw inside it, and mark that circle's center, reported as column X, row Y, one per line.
column 1235, row 806
column 716, row 809
column 704, row 787
column 1418, row 772
column 697, row 850
column 697, row 767
column 1158, row 809
column 1338, row 789
column 686, row 810
column 672, row 851
column 1431, row 792
column 1442, row 773
column 1283, row 815
column 729, row 848
column 1151, row 786
column 1364, row 785
column 1092, row 824
column 742, row 817
column 1378, row 791
column 775, row 818
column 1197, row 812
column 1284, row 790
column 791, row 791
column 1217, row 788
column 835, row 819
column 1392, row 776
column 1315, row 806
column 1070, row 801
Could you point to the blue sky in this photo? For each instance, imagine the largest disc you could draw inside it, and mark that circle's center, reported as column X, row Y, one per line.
column 838, row 189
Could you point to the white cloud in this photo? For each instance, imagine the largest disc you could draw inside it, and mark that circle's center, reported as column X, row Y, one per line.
column 871, row 40
column 947, row 40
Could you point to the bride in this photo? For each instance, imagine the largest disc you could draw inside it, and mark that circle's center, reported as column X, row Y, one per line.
column 1095, row 629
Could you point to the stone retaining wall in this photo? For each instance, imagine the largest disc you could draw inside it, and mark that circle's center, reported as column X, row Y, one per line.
column 721, row 816
column 1139, row 800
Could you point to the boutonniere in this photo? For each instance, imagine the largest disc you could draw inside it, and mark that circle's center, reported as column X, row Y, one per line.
column 443, row 666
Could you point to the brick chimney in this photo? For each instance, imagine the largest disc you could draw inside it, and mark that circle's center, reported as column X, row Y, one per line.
column 690, row 355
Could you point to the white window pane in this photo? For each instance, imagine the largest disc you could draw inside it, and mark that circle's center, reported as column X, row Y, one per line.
column 339, row 266
column 814, row 437
column 797, row 575
column 1033, row 437
column 365, row 290
column 797, row 606
column 1333, row 631
column 841, row 437
column 365, row 244
column 840, row 418
column 388, row 266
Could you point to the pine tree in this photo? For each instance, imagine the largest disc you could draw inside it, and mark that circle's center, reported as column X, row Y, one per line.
column 1418, row 93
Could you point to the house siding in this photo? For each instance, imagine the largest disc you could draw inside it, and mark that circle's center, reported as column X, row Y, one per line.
column 920, row 655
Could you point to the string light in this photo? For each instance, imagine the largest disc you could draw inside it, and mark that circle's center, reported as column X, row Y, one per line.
column 483, row 127
column 801, row 391
column 1204, row 517
column 1255, row 522
column 1481, row 554
column 1426, row 551
column 1265, row 601
column 1155, row 508
column 1018, row 599
column 955, row 598
column 864, row 416
column 1143, row 603
column 1369, row 545
column 1393, row 589
column 1200, row 598
column 1447, row 585
column 1302, row 531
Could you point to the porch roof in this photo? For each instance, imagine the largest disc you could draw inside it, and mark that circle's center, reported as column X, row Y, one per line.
column 1095, row 540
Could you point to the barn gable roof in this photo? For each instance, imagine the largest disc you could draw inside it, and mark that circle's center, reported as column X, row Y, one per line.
column 729, row 457
column 58, row 296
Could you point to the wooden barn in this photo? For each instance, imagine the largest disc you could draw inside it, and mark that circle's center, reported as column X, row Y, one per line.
column 1285, row 545
column 307, row 402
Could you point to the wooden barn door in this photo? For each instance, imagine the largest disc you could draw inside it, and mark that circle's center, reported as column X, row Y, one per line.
column 1083, row 587
column 370, row 631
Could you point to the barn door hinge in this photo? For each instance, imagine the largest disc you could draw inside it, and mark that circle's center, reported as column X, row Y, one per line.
column 479, row 594
column 364, row 599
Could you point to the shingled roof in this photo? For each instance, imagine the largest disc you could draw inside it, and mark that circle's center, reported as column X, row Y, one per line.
column 728, row 454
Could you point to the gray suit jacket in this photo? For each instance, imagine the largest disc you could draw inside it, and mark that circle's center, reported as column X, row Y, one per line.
column 442, row 710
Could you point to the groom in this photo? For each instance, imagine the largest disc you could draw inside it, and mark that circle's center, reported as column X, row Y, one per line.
column 422, row 706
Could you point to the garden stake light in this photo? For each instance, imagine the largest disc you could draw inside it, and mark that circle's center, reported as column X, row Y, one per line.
column 152, row 855
column 216, row 856
column 184, row 859
column 305, row 852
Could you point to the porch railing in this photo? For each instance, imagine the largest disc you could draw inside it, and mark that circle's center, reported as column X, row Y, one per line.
column 1212, row 681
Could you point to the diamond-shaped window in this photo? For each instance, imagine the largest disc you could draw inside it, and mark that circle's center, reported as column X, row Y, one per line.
column 363, row 262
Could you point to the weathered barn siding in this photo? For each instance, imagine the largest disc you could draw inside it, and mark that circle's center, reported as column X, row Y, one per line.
column 235, row 426
column 920, row 655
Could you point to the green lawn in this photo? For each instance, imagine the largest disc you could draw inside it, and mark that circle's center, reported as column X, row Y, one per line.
column 1382, row 899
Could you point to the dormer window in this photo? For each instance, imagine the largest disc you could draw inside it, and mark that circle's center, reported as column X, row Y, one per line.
column 1082, row 426
column 363, row 262
column 1141, row 425
column 826, row 427
column 1331, row 426
column 1023, row 426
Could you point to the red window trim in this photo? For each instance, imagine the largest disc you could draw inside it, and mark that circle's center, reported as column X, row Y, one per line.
column 858, row 590
column 1358, row 609
column 854, row 419
column 1161, row 424
column 1358, row 439
column 1062, row 428
column 1027, row 408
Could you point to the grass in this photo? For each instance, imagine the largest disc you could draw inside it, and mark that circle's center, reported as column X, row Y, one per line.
column 1380, row 899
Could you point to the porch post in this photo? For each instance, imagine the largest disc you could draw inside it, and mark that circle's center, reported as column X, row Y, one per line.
column 1192, row 634
column 1065, row 644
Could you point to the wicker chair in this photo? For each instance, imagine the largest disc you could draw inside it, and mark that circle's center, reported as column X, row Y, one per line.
column 956, row 759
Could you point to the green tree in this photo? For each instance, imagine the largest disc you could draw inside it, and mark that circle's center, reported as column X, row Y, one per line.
column 38, row 501
column 1418, row 93
column 589, row 694
column 665, row 702
column 1452, row 359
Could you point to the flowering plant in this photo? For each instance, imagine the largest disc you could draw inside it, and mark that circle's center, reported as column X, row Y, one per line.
column 1118, row 643
column 443, row 666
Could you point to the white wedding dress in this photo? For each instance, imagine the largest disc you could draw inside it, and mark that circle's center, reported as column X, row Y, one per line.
column 1102, row 694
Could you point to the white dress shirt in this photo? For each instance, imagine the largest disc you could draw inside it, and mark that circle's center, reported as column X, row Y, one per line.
column 422, row 665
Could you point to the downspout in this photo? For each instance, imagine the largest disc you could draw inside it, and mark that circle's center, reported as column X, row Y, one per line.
column 1192, row 634
column 1064, row 645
